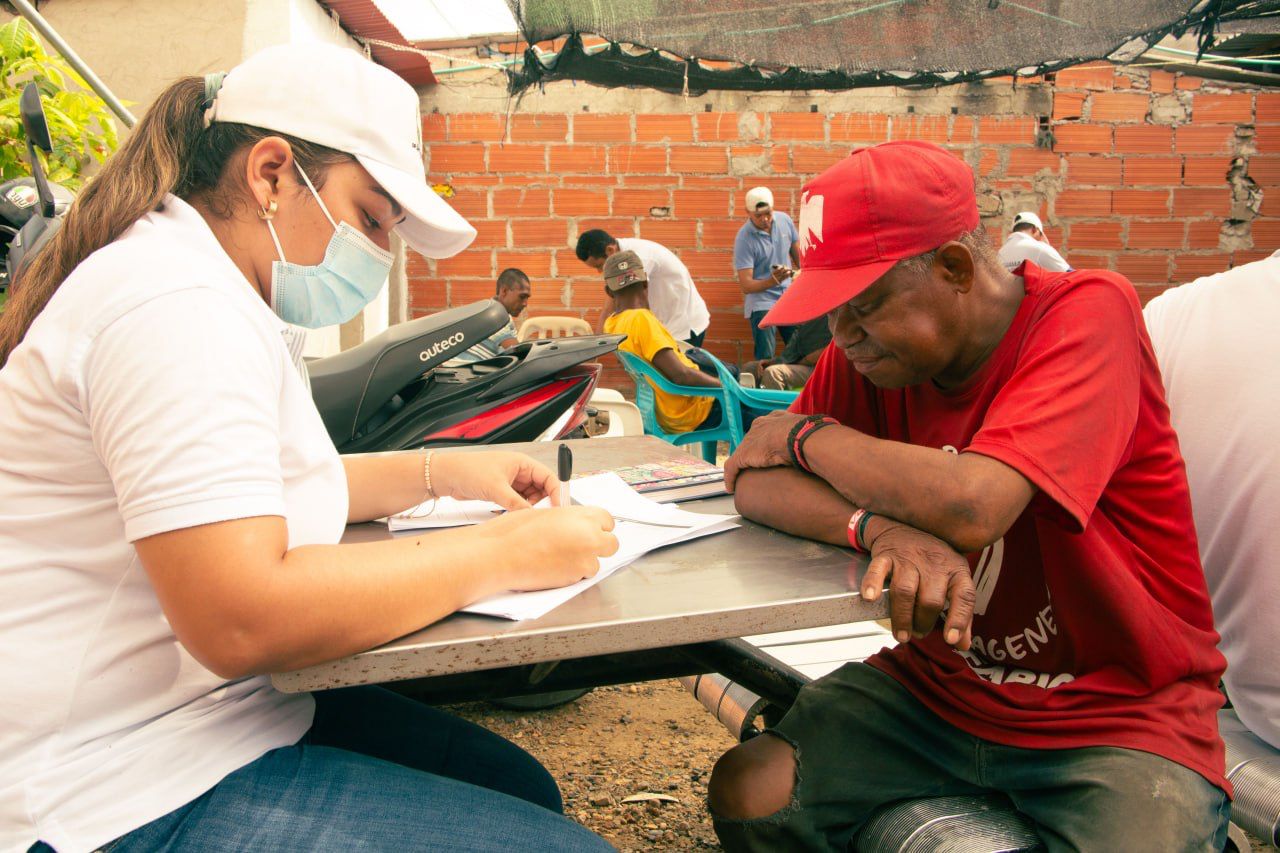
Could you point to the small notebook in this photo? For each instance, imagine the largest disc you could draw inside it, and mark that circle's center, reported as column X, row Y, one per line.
column 678, row 479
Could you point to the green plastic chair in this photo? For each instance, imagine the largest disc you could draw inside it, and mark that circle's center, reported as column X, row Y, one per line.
column 646, row 377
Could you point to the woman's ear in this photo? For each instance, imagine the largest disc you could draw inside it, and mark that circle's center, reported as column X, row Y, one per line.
column 268, row 170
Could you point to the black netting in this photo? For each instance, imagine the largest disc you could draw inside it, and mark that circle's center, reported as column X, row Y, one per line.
column 843, row 44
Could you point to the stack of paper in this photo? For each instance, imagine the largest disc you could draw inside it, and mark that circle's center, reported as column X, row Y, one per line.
column 641, row 526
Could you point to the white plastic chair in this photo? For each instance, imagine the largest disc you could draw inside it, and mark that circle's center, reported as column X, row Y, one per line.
column 552, row 327
column 624, row 417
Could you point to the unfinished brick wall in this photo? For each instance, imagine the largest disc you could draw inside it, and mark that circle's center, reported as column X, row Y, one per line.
column 1159, row 176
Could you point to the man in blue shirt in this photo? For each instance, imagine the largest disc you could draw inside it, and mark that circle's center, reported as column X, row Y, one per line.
column 766, row 255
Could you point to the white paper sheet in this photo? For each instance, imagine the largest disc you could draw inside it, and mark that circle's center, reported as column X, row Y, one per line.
column 642, row 525
column 634, row 541
column 447, row 512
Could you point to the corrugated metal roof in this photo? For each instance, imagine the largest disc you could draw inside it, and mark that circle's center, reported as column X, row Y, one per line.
column 364, row 20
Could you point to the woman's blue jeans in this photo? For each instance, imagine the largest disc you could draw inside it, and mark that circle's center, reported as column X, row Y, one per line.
column 377, row 771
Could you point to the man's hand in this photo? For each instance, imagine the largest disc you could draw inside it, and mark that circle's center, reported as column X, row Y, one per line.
column 765, row 446
column 926, row 575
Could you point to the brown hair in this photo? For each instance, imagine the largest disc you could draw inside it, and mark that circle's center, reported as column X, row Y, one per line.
column 170, row 151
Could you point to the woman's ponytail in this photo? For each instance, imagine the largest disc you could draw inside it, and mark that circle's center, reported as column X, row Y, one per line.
column 132, row 183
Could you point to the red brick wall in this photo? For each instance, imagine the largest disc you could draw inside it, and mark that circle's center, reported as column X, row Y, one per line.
column 1137, row 181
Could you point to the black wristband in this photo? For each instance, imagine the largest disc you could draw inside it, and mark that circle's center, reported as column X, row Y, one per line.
column 803, row 438
column 791, row 439
column 810, row 423
column 860, row 535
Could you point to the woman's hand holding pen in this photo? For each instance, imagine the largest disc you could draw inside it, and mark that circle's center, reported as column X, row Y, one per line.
column 553, row 547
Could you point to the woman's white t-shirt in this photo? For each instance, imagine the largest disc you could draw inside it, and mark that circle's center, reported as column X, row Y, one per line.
column 155, row 392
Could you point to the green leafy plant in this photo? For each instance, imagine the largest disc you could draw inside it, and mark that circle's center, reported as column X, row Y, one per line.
column 80, row 124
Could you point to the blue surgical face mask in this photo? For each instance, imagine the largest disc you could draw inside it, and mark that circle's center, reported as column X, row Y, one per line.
column 354, row 269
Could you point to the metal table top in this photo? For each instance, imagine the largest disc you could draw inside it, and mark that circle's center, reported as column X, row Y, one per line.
column 752, row 580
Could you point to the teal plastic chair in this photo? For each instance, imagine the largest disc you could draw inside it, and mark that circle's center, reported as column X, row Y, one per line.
column 737, row 404
column 745, row 402
column 646, row 377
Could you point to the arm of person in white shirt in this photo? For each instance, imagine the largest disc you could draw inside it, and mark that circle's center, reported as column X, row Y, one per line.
column 187, row 419
column 382, row 484
column 243, row 603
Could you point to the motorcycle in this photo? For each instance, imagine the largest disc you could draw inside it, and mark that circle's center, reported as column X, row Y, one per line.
column 31, row 209
column 397, row 391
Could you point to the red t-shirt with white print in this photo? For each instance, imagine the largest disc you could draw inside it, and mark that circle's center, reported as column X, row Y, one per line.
column 1093, row 625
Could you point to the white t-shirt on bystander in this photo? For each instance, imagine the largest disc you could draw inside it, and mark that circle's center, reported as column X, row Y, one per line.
column 154, row 393
column 673, row 297
column 1219, row 355
column 1021, row 246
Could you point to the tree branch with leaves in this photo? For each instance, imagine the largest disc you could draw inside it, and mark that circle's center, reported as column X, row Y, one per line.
column 80, row 125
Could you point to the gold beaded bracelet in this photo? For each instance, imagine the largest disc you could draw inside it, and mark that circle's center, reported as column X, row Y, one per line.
column 426, row 474
column 426, row 480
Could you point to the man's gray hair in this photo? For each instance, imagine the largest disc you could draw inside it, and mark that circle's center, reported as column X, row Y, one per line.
column 976, row 241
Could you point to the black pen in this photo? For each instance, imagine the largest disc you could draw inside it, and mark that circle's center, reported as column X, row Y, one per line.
column 564, row 464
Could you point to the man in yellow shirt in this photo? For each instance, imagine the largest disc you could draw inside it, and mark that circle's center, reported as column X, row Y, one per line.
column 625, row 280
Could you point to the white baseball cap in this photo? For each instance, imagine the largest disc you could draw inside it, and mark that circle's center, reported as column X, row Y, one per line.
column 757, row 196
column 333, row 96
column 1026, row 217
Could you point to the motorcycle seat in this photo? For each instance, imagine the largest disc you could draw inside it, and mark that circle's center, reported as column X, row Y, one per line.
column 350, row 387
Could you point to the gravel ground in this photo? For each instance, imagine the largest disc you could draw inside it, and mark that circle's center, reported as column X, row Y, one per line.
column 618, row 742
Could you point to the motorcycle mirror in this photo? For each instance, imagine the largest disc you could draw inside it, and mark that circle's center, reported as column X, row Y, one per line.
column 37, row 130
column 33, row 120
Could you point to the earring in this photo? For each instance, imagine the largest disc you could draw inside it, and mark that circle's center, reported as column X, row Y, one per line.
column 269, row 211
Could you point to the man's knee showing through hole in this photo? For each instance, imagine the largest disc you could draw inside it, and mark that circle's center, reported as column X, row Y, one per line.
column 753, row 780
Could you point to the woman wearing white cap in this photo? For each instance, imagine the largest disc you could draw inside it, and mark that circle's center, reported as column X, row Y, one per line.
column 170, row 502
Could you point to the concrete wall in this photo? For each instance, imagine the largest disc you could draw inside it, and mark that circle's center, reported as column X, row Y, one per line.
column 139, row 48
column 1162, row 177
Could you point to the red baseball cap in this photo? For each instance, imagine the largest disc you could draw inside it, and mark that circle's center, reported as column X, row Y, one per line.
column 876, row 207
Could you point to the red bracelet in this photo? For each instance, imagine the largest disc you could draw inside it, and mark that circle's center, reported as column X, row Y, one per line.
column 855, row 522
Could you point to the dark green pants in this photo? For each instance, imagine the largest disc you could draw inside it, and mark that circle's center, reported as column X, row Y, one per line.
column 861, row 741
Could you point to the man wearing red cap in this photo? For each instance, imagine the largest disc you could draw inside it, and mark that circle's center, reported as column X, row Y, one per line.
column 1000, row 444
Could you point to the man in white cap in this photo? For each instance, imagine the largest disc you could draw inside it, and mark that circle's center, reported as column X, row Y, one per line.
column 1027, row 242
column 766, row 254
